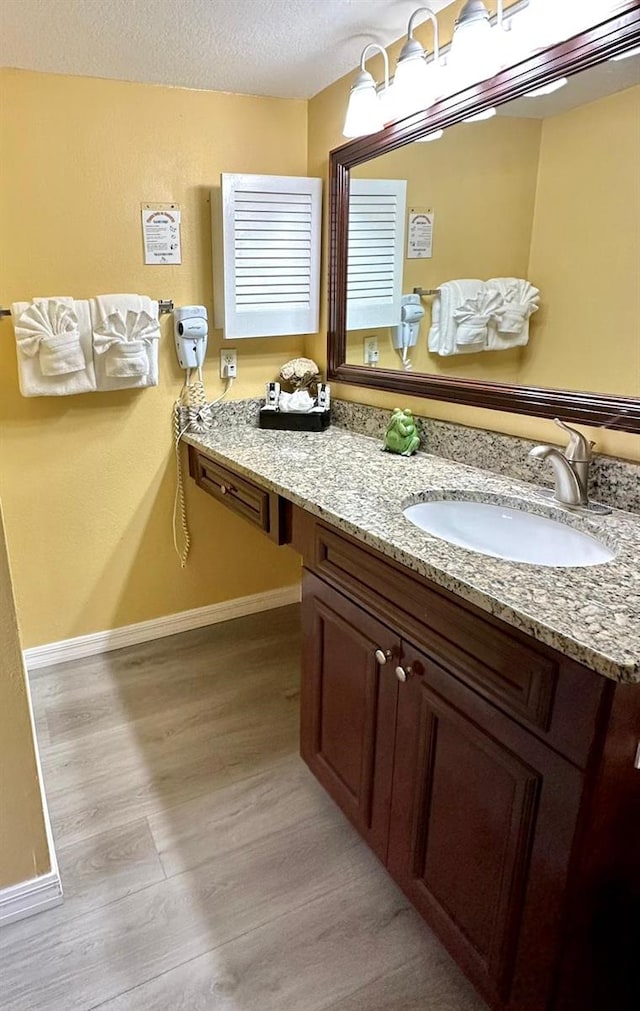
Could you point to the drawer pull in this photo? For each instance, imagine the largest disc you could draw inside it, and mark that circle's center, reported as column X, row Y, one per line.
column 224, row 488
column 383, row 655
column 402, row 673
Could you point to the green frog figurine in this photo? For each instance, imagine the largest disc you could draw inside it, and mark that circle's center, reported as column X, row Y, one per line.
column 401, row 435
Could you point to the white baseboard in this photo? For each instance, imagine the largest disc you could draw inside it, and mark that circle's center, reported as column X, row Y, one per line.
column 157, row 628
column 29, row 897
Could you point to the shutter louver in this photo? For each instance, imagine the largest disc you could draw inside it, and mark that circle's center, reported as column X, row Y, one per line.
column 376, row 247
column 271, row 240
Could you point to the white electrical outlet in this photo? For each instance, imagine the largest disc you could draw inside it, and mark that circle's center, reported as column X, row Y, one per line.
column 228, row 364
column 371, row 351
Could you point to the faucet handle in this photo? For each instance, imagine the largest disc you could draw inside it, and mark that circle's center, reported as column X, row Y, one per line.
column 579, row 447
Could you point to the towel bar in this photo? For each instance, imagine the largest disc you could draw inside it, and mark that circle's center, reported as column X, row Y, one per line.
column 165, row 305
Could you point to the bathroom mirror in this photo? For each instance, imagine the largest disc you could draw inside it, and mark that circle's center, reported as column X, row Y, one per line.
column 521, row 232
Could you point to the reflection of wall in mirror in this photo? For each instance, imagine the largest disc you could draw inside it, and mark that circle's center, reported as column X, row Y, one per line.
column 481, row 181
column 585, row 249
column 555, row 201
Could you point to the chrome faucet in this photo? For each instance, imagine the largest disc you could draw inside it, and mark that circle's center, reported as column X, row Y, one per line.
column 570, row 468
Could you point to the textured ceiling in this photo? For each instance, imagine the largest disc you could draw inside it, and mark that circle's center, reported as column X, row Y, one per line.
column 285, row 48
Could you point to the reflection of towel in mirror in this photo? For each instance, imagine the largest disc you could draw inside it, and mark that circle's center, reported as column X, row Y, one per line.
column 473, row 318
column 126, row 332
column 53, row 338
column 519, row 301
column 451, row 295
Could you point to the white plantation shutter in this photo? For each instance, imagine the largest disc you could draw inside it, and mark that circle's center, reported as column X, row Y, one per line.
column 376, row 252
column 270, row 255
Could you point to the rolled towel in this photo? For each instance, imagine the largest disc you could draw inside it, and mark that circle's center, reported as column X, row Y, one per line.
column 451, row 295
column 519, row 301
column 53, row 339
column 126, row 331
column 473, row 319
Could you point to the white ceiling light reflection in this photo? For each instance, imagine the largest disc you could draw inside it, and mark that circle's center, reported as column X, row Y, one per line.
column 479, row 117
column 434, row 135
column 547, row 89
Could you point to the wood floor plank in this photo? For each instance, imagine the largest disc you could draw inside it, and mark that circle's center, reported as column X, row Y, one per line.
column 429, row 982
column 277, row 798
column 303, row 961
column 189, row 749
column 163, row 659
column 96, row 871
column 194, row 680
column 272, row 901
column 106, row 952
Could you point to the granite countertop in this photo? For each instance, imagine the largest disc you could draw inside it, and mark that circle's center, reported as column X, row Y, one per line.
column 590, row 614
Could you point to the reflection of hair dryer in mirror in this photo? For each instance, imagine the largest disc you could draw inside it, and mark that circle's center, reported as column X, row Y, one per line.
column 191, row 328
column 405, row 336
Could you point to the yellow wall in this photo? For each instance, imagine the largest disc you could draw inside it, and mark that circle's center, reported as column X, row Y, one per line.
column 326, row 116
column 493, row 241
column 24, row 852
column 585, row 250
column 88, row 481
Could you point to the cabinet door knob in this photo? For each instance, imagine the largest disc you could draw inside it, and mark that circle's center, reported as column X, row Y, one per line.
column 383, row 655
column 403, row 673
column 223, row 489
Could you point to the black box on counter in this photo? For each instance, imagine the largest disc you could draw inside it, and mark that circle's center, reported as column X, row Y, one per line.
column 288, row 421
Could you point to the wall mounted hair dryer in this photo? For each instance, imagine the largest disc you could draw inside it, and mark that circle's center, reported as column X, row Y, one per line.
column 405, row 336
column 190, row 329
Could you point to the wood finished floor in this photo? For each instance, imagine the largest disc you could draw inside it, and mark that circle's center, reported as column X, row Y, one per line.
column 204, row 868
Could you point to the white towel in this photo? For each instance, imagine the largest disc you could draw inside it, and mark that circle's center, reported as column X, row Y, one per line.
column 126, row 331
column 474, row 317
column 520, row 300
column 53, row 338
column 451, row 295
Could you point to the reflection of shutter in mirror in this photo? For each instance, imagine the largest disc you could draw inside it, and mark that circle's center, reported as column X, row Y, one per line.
column 376, row 247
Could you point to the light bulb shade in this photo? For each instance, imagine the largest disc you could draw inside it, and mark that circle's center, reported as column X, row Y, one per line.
column 546, row 22
column 387, row 100
column 411, row 86
column 473, row 55
column 364, row 111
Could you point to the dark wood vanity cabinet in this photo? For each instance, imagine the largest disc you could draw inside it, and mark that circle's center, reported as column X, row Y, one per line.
column 348, row 715
column 494, row 777
column 260, row 507
column 482, row 822
column 492, row 806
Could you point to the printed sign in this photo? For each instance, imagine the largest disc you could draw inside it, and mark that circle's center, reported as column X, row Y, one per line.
column 161, row 233
column 420, row 233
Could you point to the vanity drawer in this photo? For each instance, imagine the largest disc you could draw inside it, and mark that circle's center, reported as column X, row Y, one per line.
column 525, row 679
column 263, row 508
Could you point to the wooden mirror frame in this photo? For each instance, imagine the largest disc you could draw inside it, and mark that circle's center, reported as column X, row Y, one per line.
column 619, row 33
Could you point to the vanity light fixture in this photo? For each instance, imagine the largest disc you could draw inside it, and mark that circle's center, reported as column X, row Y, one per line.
column 475, row 47
column 545, row 22
column 547, row 89
column 366, row 111
column 415, row 82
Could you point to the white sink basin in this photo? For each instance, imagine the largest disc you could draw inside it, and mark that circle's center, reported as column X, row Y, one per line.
column 508, row 533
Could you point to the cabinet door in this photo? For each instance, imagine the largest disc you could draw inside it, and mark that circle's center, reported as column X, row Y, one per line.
column 482, row 825
column 348, row 711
